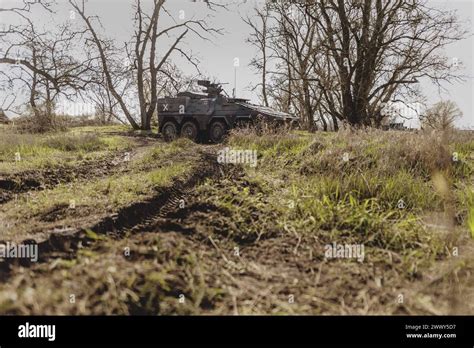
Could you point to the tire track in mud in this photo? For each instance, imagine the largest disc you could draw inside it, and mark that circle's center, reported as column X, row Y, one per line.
column 12, row 185
column 133, row 218
column 19, row 183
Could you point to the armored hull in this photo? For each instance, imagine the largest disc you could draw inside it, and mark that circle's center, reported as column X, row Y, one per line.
column 210, row 116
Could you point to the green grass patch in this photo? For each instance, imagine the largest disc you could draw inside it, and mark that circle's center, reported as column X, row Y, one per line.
column 100, row 195
column 368, row 187
column 19, row 152
column 169, row 149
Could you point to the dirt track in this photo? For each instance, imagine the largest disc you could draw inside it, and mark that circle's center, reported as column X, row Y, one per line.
column 137, row 217
column 157, row 215
column 11, row 185
column 254, row 274
column 181, row 246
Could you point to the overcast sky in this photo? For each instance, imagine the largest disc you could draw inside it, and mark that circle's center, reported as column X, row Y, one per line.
column 217, row 57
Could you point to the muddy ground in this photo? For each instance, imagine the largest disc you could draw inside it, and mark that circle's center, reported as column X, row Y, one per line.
column 175, row 253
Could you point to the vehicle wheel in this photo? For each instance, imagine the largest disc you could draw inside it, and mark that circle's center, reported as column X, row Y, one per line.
column 217, row 131
column 190, row 130
column 169, row 131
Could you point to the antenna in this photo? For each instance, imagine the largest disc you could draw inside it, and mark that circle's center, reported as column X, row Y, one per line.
column 235, row 82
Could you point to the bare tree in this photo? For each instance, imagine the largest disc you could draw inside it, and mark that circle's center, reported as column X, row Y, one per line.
column 105, row 103
column 142, row 51
column 43, row 63
column 21, row 11
column 380, row 50
column 344, row 60
column 298, row 55
column 286, row 38
column 260, row 39
column 441, row 116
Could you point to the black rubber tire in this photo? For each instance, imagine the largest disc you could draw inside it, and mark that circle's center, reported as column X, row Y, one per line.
column 217, row 131
column 169, row 131
column 190, row 130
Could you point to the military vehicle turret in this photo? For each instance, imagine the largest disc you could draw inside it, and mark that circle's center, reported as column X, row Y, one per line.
column 211, row 115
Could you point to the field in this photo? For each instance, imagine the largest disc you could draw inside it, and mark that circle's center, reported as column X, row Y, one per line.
column 128, row 224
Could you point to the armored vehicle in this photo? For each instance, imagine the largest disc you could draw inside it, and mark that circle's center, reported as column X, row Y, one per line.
column 211, row 115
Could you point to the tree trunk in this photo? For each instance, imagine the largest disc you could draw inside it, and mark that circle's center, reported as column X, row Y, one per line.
column 335, row 124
